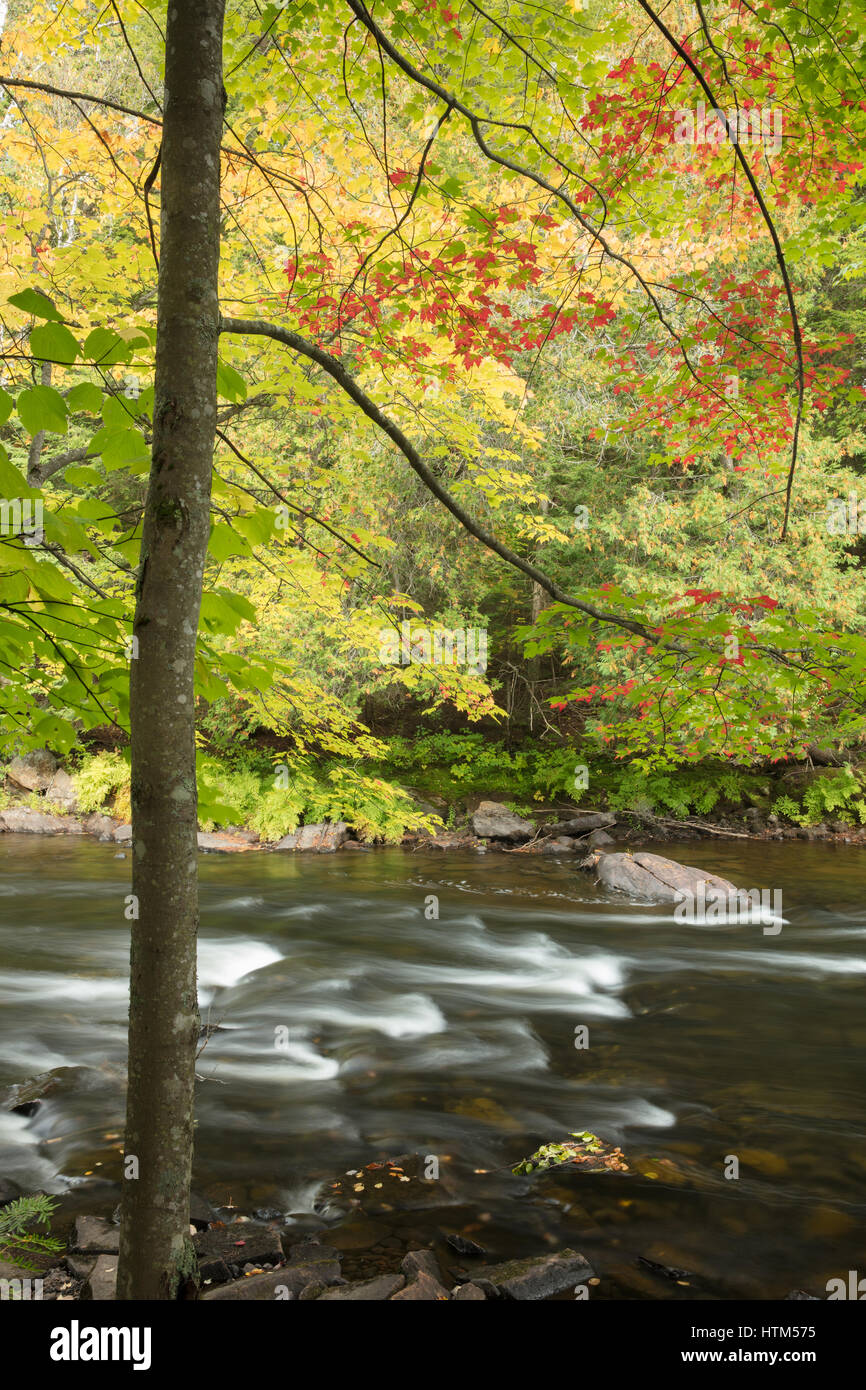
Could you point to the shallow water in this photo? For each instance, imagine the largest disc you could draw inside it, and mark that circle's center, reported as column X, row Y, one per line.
column 454, row 1038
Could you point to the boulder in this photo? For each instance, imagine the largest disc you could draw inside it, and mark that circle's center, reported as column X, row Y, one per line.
column 418, row 1262
column 492, row 821
column 655, row 878
column 563, row 844
column 256, row 1288
column 95, row 1236
column 29, row 822
column 122, row 833
column 224, row 1247
column 25, row 1097
column 538, row 1277
column 212, row 841
column 599, row 838
column 99, row 824
column 324, row 837
column 61, row 790
column 423, row 1289
column 464, row 1246
column 367, row 1291
column 467, row 1293
column 33, row 771
column 579, row 825
column 101, row 1283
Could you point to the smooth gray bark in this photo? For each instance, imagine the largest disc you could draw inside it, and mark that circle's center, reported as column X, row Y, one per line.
column 156, row 1257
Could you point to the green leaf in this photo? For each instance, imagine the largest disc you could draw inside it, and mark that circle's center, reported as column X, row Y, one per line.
column 224, row 541
column 106, row 347
column 6, row 404
column 36, row 303
column 82, row 475
column 121, row 448
column 230, row 384
column 42, row 408
column 85, row 396
column 53, row 342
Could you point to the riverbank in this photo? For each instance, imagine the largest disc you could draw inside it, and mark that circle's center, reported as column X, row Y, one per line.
column 542, row 836
column 452, row 806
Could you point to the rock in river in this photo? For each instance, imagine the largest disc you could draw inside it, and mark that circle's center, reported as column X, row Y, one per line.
column 653, row 877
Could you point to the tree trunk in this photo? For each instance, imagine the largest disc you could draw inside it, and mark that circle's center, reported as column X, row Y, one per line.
column 156, row 1258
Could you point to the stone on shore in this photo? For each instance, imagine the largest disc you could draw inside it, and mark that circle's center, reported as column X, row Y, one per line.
column 25, row 820
column 493, row 821
column 324, row 837
column 94, row 1235
column 225, row 1249
column 538, row 1277
column 33, row 771
column 101, row 1283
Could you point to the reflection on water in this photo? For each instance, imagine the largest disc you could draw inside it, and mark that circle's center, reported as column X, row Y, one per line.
column 352, row 1027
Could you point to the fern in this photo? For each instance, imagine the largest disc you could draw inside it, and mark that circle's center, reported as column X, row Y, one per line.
column 19, row 1243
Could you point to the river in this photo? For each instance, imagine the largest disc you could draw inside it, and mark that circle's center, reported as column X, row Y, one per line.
column 355, row 1025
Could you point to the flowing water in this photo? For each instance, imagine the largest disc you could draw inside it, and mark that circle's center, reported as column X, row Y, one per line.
column 355, row 1026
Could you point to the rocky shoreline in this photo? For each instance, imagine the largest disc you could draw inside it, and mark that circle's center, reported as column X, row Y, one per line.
column 485, row 825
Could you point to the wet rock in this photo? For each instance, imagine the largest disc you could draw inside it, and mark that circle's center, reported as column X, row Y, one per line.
column 220, row 840
column 98, row 824
column 563, row 844
column 9, row 1191
column 467, row 1293
column 25, row 1097
column 33, row 771
column 239, row 1244
column 311, row 1292
column 24, row 820
column 422, row 1289
column 665, row 1271
column 493, row 821
column 358, row 1233
column 324, row 837
column 417, row 1262
column 101, row 1283
column 464, row 1246
column 599, row 838
column 95, row 1236
column 122, row 833
column 258, row 1288
column 267, row 1214
column 80, row 1266
column 538, row 1277
column 655, row 878
column 367, row 1291
column 201, row 1213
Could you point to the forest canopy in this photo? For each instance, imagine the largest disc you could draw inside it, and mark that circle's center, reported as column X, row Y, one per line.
column 541, row 342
